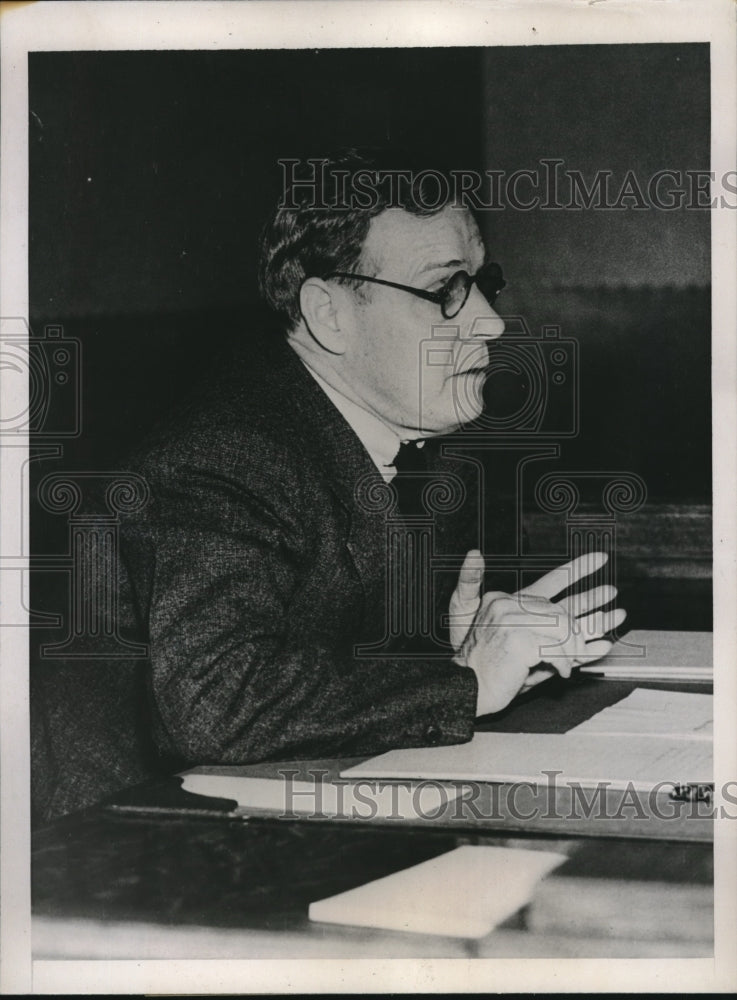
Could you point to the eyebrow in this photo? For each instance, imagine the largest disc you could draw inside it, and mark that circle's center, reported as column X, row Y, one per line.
column 439, row 265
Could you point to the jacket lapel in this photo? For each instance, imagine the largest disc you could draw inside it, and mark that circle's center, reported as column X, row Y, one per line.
column 350, row 473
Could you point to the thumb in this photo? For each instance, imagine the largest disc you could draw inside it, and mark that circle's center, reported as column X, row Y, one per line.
column 470, row 579
column 466, row 598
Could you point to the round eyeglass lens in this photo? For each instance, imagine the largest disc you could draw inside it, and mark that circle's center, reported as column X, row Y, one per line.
column 456, row 293
column 490, row 282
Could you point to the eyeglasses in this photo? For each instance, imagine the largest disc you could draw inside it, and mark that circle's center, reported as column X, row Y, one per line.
column 453, row 296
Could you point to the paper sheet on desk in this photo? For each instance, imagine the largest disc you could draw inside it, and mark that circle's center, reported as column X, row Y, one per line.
column 638, row 762
column 464, row 893
column 648, row 653
column 675, row 714
column 329, row 798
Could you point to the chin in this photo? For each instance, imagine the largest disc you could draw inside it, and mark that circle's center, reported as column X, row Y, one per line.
column 447, row 424
column 454, row 410
column 467, row 409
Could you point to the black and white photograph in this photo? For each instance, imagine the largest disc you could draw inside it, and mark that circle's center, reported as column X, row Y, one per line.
column 368, row 536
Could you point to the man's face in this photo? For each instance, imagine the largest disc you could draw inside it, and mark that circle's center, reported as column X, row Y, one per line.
column 415, row 369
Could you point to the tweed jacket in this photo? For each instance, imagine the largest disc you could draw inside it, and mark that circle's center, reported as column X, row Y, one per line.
column 259, row 577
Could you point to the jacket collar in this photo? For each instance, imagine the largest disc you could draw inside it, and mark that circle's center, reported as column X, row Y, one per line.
column 328, row 438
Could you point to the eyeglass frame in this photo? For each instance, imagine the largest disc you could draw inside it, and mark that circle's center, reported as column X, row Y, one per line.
column 436, row 297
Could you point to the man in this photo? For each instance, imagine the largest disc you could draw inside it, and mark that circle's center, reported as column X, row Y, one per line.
column 258, row 570
column 262, row 573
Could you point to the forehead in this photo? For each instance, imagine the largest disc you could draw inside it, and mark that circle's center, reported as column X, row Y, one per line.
column 400, row 242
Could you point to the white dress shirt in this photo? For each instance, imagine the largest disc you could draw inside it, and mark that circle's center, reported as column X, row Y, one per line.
column 379, row 439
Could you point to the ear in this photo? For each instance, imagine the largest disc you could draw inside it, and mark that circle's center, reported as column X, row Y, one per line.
column 318, row 302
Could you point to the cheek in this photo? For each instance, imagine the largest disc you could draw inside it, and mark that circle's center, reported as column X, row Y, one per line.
column 393, row 350
column 385, row 358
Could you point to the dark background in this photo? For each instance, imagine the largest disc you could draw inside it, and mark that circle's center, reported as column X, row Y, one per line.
column 151, row 173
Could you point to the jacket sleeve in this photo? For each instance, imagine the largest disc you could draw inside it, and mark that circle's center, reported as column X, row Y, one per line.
column 232, row 680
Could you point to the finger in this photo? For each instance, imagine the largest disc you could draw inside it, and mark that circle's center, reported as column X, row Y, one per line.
column 595, row 651
column 595, row 625
column 537, row 676
column 466, row 598
column 565, row 655
column 470, row 580
column 582, row 604
column 565, row 576
column 559, row 657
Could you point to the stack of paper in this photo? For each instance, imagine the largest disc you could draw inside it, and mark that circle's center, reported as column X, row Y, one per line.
column 680, row 715
column 642, row 763
column 645, row 654
column 370, row 800
column 464, row 893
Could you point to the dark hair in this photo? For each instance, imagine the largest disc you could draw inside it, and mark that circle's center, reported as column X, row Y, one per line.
column 323, row 216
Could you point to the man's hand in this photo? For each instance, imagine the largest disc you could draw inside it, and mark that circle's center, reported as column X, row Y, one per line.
column 501, row 637
column 466, row 599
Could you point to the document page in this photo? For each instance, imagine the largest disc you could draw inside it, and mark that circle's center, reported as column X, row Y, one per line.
column 677, row 714
column 464, row 893
column 639, row 762
column 659, row 655
column 369, row 800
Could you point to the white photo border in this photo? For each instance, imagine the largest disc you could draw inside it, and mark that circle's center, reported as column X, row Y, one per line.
column 365, row 23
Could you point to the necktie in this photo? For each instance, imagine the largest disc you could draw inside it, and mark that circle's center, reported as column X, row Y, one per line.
column 411, row 478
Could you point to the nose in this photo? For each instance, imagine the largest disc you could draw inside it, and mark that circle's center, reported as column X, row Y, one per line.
column 481, row 322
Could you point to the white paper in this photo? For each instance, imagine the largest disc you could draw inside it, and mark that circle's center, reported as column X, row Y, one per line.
column 638, row 762
column 464, row 893
column 655, row 713
column 367, row 800
column 660, row 655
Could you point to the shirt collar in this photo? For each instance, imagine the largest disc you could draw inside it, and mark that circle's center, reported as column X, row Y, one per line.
column 379, row 439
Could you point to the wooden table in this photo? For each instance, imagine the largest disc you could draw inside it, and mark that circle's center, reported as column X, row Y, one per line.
column 155, row 876
column 132, row 887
